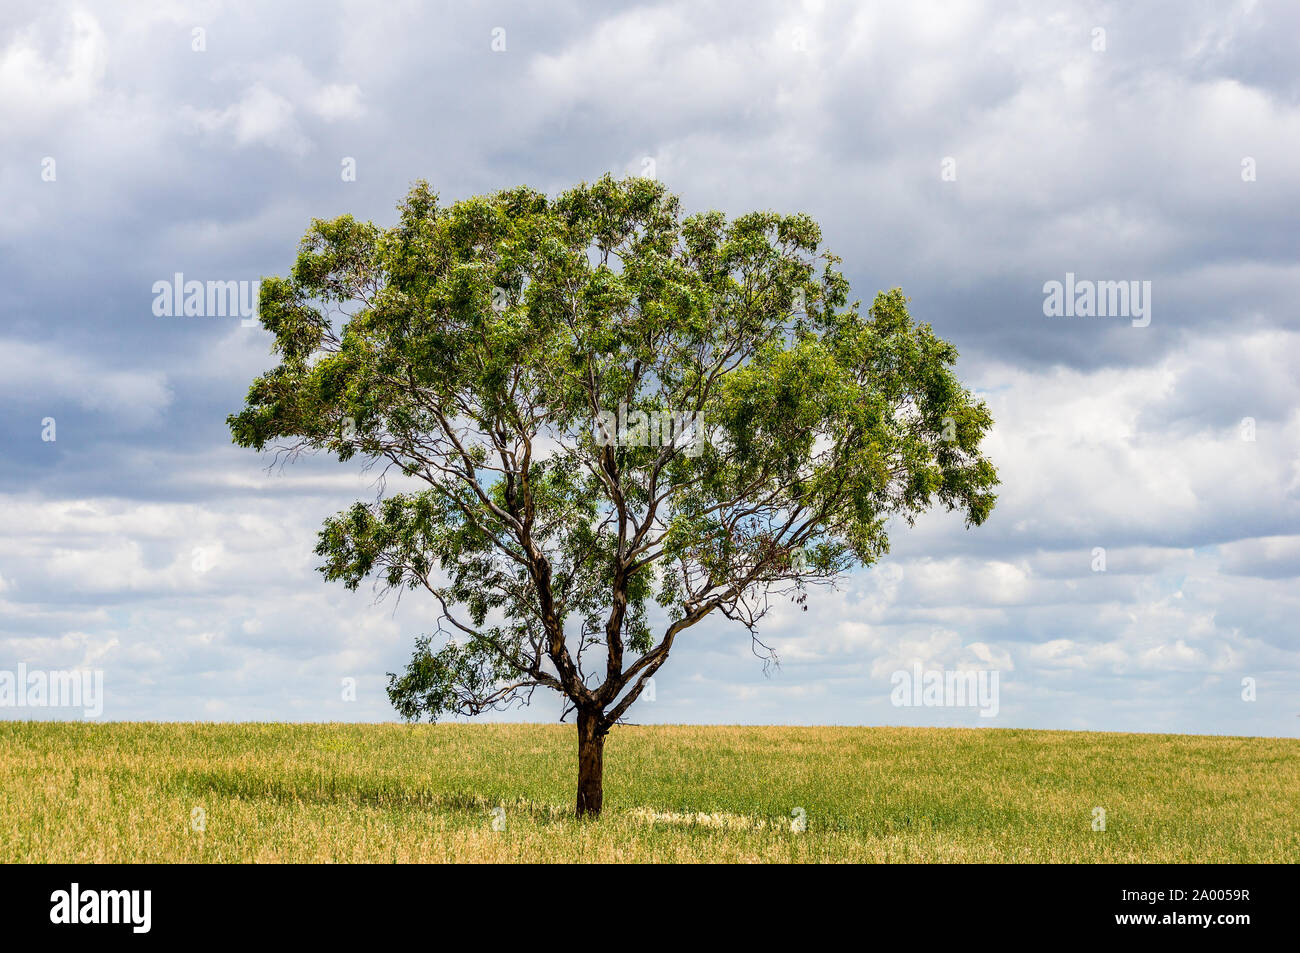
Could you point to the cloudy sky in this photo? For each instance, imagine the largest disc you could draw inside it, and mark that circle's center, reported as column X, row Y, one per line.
column 968, row 153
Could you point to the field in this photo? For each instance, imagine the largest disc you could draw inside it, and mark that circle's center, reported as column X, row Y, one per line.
column 119, row 792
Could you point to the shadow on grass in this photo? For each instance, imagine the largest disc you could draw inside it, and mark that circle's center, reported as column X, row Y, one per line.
column 350, row 790
column 358, row 791
column 353, row 790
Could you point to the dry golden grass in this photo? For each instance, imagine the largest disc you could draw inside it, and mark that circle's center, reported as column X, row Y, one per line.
column 128, row 792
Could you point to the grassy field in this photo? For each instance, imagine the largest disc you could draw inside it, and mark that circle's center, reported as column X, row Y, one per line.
column 120, row 792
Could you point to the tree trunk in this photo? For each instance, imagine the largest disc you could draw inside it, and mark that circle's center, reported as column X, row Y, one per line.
column 591, row 749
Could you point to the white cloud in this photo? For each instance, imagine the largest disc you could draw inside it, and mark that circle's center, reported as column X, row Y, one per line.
column 260, row 117
column 338, row 101
column 52, row 65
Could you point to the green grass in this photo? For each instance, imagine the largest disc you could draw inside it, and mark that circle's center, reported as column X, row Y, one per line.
column 121, row 792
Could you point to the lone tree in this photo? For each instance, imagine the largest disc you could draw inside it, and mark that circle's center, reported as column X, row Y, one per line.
column 600, row 404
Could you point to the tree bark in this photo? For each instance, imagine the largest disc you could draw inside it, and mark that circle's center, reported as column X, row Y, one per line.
column 591, row 749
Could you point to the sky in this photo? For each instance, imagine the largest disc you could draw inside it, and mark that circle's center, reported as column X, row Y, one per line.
column 1139, row 572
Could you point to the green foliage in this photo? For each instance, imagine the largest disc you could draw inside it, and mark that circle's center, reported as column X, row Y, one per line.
column 475, row 348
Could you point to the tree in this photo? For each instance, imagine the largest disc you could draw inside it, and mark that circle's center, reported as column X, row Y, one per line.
column 607, row 415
